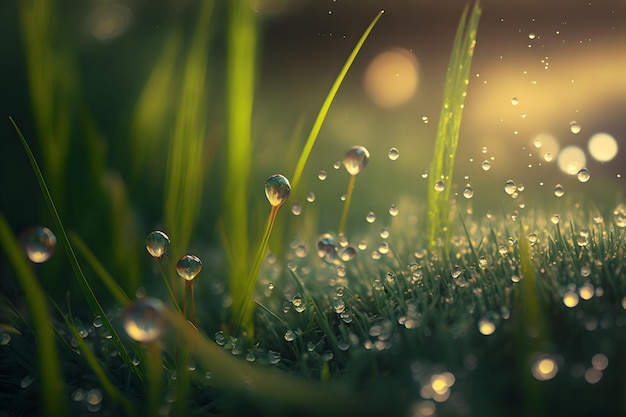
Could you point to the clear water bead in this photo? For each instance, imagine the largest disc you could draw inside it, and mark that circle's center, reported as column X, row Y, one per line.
column 468, row 192
column 157, row 244
column 356, row 159
column 574, row 127
column 559, row 190
column 394, row 154
column 143, row 320
column 370, row 217
column 277, row 189
column 393, row 210
column 510, row 187
column 514, row 101
column 188, row 267
column 486, row 165
column 322, row 175
column 38, row 243
column 440, row 186
column 583, row 175
column 326, row 248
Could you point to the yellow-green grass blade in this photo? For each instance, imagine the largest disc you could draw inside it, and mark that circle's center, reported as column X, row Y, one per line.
column 455, row 90
column 321, row 116
column 88, row 293
column 96, row 367
column 184, row 172
column 52, row 395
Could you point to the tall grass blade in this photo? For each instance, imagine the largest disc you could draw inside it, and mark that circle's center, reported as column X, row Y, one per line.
column 317, row 125
column 88, row 293
column 184, row 175
column 455, row 89
column 52, row 395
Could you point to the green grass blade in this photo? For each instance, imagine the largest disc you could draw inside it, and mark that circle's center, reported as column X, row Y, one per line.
column 317, row 125
column 455, row 90
column 52, row 394
column 88, row 293
column 184, row 174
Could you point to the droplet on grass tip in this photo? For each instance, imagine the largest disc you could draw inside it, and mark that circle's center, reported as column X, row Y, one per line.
column 157, row 244
column 188, row 267
column 143, row 320
column 277, row 189
column 394, row 154
column 583, row 175
column 356, row 159
column 555, row 219
column 39, row 243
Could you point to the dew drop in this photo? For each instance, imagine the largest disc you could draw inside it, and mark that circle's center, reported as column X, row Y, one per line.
column 531, row 36
column 393, row 210
column 394, row 154
column 326, row 248
column 370, row 217
column 296, row 209
column 583, row 175
column 97, row 322
column 157, row 244
column 559, row 190
column 277, row 189
column 619, row 215
column 384, row 233
column 310, row 197
column 510, row 187
column 322, row 175
column 424, row 174
column 486, row 165
column 547, row 157
column 348, row 254
column 188, row 267
column 356, row 159
column 337, row 165
column 27, row 381
column 574, row 127
column 483, row 262
column 5, row 338
column 514, row 101
column 38, row 243
column 143, row 319
column 555, row 219
column 290, row 336
column 440, row 186
column 468, row 192
column 538, row 143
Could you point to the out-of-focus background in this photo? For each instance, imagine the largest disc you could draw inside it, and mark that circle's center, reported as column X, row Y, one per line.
column 546, row 97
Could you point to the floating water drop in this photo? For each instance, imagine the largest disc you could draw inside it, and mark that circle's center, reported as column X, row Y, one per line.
column 356, row 159
column 440, row 186
column 296, row 209
column 486, row 165
column 394, row 154
column 468, row 192
column 322, row 175
column 574, row 127
column 393, row 210
column 277, row 189
column 555, row 218
column 348, row 254
column 583, row 175
column 38, row 243
column 370, row 217
column 514, row 101
column 510, row 187
column 326, row 248
column 538, row 143
column 188, row 267
column 310, row 197
column 143, row 319
column 424, row 174
column 157, row 244
column 531, row 36
column 559, row 191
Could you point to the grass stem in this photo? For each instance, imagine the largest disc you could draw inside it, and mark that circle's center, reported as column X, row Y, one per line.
column 346, row 205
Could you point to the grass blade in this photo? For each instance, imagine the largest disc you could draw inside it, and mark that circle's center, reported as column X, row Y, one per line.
column 88, row 293
column 317, row 125
column 455, row 90
column 49, row 369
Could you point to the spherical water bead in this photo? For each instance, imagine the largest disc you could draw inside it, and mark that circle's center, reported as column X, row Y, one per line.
column 483, row 263
column 619, row 215
column 157, row 244
column 356, row 159
column 38, row 243
column 468, row 192
column 514, row 101
column 393, row 210
column 384, row 233
column 310, row 197
column 277, row 189
column 574, row 127
column 538, row 143
column 322, row 175
column 326, row 248
column 394, row 154
column 555, row 219
column 143, row 319
column 583, row 175
column 188, row 267
column 424, row 174
column 559, row 190
column 544, row 369
column 486, row 165
column 440, row 186
column 370, row 217
column 348, row 254
column 509, row 187
column 296, row 209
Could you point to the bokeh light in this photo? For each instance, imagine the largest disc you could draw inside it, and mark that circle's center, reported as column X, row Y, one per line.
column 546, row 144
column 109, row 20
column 391, row 78
column 544, row 368
column 602, row 147
column 571, row 160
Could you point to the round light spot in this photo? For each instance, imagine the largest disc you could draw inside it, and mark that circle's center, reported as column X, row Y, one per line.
column 391, row 78
column 602, row 147
column 571, row 159
column 547, row 145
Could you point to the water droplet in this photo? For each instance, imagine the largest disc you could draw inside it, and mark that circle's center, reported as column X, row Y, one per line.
column 394, row 154
column 531, row 36
column 547, row 157
column 538, row 143
column 296, row 209
column 425, row 174
column 384, row 233
column 619, row 215
column 544, row 368
column 555, row 219
column 486, row 165
column 483, row 262
column 5, row 338
column 27, row 381
column 559, row 190
column 277, row 189
column 188, row 267
column 97, row 322
column 486, row 327
column 383, row 248
column 337, row 165
column 583, row 175
column 356, row 159
column 456, row 272
column 143, row 320
column 370, row 217
column 393, row 210
column 509, row 187
column 348, row 254
column 440, row 186
column 310, row 197
column 38, row 243
column 468, row 192
column 503, row 250
column 514, row 101
column 574, row 127
column 326, row 248
column 322, row 175
column 290, row 336
column 273, row 357
column 157, row 244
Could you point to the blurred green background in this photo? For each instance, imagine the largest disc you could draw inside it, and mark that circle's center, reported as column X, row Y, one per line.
column 101, row 89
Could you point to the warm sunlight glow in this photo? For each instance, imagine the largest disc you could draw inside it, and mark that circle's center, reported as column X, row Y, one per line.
column 391, row 78
column 602, row 147
column 571, row 160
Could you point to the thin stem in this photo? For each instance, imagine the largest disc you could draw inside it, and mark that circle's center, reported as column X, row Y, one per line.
column 185, row 299
column 346, row 206
column 194, row 318
column 154, row 378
